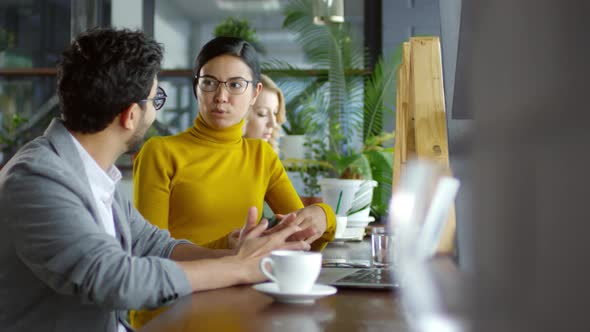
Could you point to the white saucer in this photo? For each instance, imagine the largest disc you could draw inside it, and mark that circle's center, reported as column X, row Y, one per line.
column 272, row 289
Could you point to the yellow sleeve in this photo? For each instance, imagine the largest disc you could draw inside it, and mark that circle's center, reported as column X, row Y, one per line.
column 152, row 172
column 282, row 198
column 280, row 193
column 330, row 233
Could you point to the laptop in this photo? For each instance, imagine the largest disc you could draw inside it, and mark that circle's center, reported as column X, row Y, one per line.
column 369, row 278
column 438, row 194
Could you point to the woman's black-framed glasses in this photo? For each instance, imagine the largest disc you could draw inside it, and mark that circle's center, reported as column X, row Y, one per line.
column 235, row 86
column 159, row 100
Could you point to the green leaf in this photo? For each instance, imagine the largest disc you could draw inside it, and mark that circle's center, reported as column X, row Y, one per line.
column 343, row 109
column 382, row 171
column 235, row 27
column 381, row 84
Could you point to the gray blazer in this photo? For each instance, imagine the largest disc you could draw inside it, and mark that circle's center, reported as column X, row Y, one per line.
column 59, row 270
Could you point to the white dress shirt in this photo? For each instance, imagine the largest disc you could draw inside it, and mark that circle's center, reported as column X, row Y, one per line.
column 103, row 189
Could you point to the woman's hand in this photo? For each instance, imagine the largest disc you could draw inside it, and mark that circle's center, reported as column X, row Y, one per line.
column 236, row 238
column 311, row 219
column 244, row 265
column 254, row 244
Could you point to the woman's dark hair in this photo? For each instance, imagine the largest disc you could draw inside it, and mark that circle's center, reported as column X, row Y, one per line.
column 227, row 46
column 102, row 73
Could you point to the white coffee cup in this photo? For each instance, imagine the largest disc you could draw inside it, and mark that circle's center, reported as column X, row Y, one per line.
column 295, row 272
column 341, row 222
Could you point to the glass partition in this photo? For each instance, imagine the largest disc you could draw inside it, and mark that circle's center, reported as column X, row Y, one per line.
column 186, row 25
column 32, row 35
column 34, row 32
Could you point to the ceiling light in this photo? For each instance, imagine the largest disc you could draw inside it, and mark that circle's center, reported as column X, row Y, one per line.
column 248, row 5
column 328, row 11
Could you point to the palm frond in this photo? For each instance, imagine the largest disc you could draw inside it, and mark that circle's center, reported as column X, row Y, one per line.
column 296, row 91
column 335, row 110
column 277, row 64
column 281, row 68
column 345, row 90
column 382, row 172
column 381, row 84
column 315, row 109
column 312, row 38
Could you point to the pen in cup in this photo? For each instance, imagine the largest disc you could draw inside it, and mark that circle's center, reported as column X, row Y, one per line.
column 338, row 204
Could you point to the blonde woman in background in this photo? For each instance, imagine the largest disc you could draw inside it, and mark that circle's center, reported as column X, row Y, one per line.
column 267, row 115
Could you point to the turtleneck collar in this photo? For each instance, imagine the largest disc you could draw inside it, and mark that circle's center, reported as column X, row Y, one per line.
column 230, row 135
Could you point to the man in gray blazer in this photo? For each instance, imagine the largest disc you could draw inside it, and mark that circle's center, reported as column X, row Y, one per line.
column 74, row 252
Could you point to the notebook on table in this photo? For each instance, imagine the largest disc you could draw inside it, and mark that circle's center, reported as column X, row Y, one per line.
column 355, row 273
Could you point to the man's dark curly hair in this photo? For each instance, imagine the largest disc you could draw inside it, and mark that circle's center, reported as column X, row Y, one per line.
column 102, row 73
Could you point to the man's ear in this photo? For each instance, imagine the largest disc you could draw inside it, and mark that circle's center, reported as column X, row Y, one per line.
column 127, row 118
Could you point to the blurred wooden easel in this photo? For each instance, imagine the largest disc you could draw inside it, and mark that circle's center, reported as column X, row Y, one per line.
column 420, row 123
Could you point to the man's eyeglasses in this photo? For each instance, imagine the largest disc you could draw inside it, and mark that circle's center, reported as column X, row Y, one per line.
column 235, row 86
column 159, row 100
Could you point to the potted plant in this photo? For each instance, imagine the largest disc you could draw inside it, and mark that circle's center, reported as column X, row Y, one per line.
column 292, row 144
column 311, row 169
column 240, row 28
column 346, row 111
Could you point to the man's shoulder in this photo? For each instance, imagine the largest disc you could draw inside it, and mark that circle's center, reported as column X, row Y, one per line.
column 35, row 159
column 36, row 152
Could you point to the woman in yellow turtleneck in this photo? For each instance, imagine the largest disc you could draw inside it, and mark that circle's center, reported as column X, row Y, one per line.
column 199, row 184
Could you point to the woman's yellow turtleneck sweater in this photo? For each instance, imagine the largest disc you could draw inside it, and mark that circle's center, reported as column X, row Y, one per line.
column 199, row 184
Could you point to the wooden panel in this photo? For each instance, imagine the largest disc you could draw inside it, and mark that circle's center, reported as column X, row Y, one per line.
column 428, row 99
column 421, row 129
column 410, row 145
column 447, row 242
column 401, row 115
column 399, row 132
column 399, row 146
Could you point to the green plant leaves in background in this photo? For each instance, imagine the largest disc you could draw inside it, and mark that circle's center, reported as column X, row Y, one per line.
column 339, row 106
column 380, row 91
column 381, row 162
column 339, row 116
column 239, row 28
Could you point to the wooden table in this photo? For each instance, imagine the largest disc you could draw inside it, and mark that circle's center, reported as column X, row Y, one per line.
column 242, row 308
